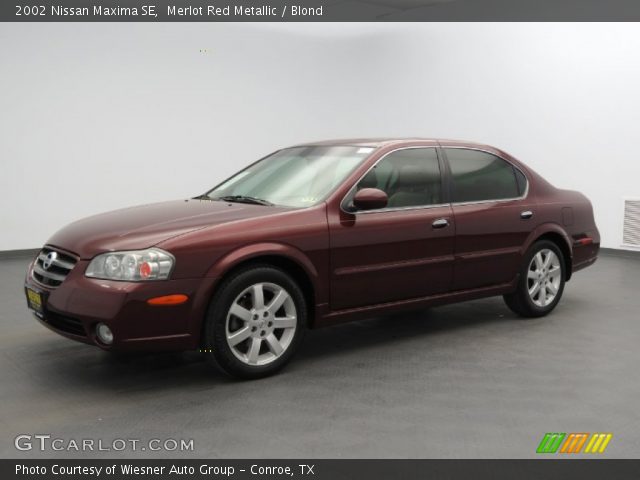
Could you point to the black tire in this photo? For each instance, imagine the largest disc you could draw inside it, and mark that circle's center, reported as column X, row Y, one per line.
column 215, row 344
column 520, row 301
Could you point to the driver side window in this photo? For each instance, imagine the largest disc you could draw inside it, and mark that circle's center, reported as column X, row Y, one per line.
column 410, row 178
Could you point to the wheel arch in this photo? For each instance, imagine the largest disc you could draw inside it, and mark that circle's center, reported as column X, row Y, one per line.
column 284, row 257
column 557, row 235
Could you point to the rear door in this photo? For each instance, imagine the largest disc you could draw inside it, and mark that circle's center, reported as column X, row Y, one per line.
column 492, row 213
column 399, row 252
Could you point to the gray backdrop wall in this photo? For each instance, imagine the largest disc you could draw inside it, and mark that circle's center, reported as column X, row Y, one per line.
column 100, row 116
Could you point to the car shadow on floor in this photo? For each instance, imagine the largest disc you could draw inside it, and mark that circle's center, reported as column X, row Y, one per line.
column 78, row 366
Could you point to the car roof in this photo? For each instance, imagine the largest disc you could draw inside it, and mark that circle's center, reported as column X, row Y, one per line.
column 381, row 142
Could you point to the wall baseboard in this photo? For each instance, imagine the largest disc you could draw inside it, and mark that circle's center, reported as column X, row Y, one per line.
column 26, row 253
column 619, row 252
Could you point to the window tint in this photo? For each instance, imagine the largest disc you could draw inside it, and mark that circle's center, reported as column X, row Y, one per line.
column 522, row 181
column 409, row 177
column 478, row 176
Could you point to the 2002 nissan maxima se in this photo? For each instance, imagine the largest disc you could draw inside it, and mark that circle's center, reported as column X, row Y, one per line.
column 309, row 236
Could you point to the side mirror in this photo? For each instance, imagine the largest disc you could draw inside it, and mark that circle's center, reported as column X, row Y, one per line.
column 370, row 199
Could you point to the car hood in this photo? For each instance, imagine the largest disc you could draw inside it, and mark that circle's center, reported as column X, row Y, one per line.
column 147, row 225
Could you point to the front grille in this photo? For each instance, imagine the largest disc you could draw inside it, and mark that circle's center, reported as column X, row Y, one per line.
column 52, row 267
column 64, row 324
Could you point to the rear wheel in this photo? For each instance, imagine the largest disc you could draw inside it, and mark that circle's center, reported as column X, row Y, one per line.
column 255, row 322
column 541, row 281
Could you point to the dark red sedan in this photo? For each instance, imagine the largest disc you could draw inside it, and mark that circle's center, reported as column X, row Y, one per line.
column 310, row 236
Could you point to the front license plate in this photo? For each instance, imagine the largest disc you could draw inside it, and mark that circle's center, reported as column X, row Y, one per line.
column 34, row 301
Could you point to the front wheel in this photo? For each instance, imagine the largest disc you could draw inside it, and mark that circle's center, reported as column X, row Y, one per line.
column 541, row 281
column 255, row 322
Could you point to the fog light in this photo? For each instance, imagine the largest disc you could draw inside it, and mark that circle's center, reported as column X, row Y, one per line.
column 104, row 333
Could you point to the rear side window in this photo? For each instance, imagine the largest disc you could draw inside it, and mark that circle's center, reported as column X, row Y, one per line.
column 410, row 178
column 522, row 181
column 478, row 176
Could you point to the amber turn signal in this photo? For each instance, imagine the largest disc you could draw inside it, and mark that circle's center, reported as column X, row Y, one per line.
column 167, row 300
column 584, row 241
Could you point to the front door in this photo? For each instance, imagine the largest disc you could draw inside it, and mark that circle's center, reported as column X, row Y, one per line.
column 399, row 252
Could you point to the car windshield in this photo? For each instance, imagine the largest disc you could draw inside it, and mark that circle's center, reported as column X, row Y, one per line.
column 293, row 177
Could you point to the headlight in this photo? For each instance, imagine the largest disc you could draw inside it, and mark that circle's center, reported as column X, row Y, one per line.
column 133, row 266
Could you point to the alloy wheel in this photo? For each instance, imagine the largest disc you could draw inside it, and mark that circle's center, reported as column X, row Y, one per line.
column 543, row 277
column 261, row 324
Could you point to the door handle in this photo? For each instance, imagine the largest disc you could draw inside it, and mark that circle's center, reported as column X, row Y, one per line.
column 526, row 215
column 440, row 223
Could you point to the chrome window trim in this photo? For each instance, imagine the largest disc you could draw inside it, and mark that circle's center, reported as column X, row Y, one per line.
column 392, row 209
column 397, row 209
column 498, row 200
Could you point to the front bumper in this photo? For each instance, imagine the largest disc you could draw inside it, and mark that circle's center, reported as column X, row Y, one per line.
column 75, row 308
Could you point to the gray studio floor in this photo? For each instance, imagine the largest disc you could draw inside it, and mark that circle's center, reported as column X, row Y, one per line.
column 467, row 380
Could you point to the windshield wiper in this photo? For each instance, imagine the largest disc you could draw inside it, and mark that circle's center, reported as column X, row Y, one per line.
column 204, row 196
column 244, row 199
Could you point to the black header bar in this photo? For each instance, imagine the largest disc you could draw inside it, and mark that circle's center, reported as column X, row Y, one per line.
column 307, row 469
column 319, row 10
